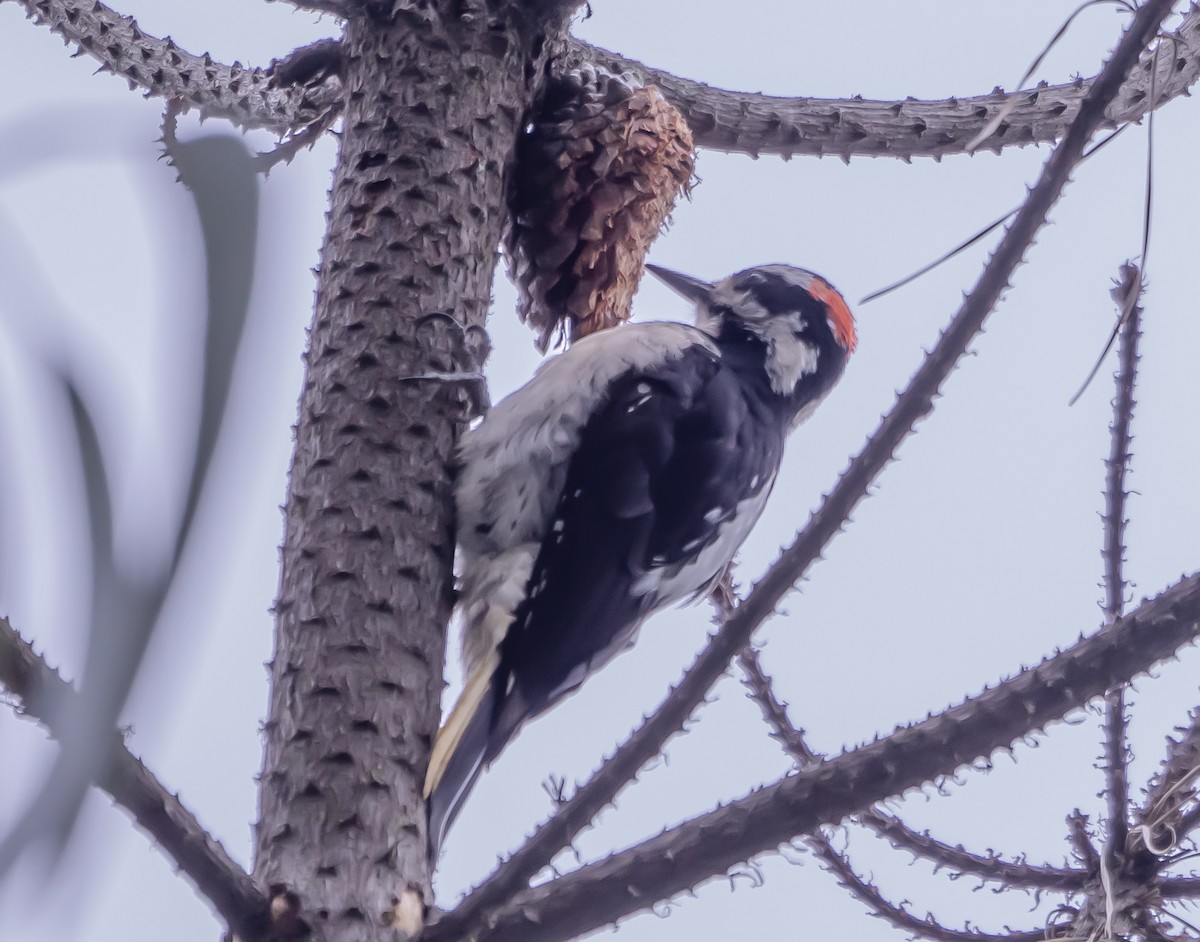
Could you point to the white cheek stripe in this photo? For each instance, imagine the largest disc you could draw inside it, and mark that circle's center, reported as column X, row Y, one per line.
column 789, row 358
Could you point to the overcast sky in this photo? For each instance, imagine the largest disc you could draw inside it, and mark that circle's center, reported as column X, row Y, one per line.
column 977, row 553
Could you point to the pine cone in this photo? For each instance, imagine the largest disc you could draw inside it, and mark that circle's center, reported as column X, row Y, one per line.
column 597, row 174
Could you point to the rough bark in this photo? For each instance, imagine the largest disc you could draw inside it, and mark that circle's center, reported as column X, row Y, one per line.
column 435, row 96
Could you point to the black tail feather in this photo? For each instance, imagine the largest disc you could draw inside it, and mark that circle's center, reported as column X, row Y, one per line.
column 464, row 767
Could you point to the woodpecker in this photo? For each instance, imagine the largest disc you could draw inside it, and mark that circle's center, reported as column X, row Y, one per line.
column 620, row 480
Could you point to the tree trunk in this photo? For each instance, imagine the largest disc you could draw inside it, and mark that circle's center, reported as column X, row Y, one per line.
column 435, row 96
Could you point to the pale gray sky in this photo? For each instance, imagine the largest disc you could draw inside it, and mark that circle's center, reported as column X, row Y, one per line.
column 978, row 552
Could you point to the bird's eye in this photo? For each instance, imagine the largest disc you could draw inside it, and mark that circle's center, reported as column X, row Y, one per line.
column 799, row 334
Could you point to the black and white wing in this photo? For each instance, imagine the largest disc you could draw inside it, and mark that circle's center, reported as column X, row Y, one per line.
column 660, row 492
column 654, row 491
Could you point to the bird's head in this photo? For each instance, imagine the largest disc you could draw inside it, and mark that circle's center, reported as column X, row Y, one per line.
column 802, row 319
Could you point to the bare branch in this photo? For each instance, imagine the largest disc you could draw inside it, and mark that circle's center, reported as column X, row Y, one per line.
column 898, row 916
column 756, row 124
column 1116, row 721
column 762, row 692
column 1013, row 873
column 1016, row 873
column 42, row 694
column 1116, row 770
column 244, row 96
column 1125, row 294
column 913, row 404
column 684, row 856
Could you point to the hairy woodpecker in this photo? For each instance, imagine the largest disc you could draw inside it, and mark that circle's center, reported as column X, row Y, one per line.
column 621, row 479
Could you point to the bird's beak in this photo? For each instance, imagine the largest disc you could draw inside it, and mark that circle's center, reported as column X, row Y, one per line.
column 685, row 286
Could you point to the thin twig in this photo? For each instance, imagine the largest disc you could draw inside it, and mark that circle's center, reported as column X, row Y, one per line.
column 762, row 692
column 1133, row 295
column 981, row 233
column 1005, row 111
column 1011, row 873
column 1015, row 873
column 941, row 259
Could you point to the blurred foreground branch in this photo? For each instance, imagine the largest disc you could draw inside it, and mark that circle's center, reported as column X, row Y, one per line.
column 39, row 692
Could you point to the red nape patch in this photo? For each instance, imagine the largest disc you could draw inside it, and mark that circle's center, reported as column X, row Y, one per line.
column 840, row 318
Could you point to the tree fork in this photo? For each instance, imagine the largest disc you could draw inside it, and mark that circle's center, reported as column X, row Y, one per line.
column 435, row 95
